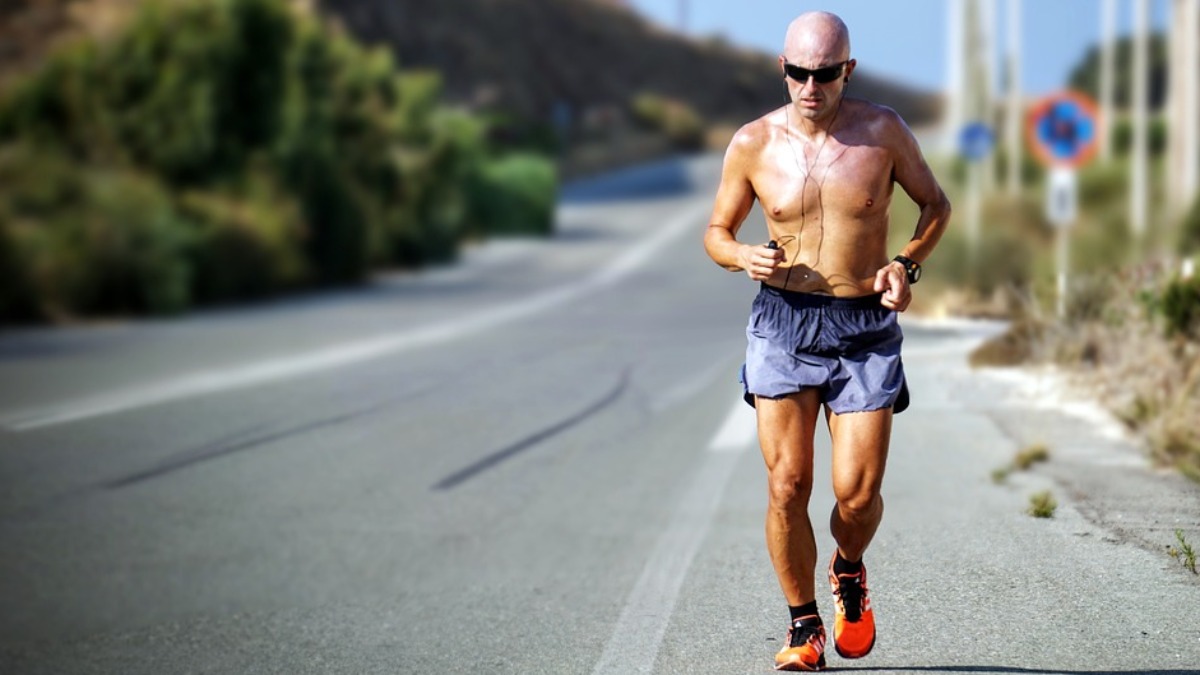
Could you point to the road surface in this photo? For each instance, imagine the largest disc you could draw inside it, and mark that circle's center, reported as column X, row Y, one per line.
column 537, row 462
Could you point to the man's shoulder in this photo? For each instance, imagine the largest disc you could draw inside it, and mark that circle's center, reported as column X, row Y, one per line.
column 756, row 133
column 873, row 114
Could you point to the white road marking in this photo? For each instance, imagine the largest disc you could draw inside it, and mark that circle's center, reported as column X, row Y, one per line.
column 236, row 377
column 638, row 635
column 738, row 431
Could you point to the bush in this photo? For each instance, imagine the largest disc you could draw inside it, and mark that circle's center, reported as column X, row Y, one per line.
column 1179, row 305
column 276, row 150
column 247, row 244
column 515, row 195
column 1189, row 230
column 679, row 122
column 93, row 241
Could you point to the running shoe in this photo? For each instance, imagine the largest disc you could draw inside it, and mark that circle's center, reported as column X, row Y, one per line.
column 805, row 648
column 853, row 622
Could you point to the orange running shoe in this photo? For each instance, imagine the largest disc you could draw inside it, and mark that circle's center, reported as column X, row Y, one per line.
column 853, row 622
column 805, row 648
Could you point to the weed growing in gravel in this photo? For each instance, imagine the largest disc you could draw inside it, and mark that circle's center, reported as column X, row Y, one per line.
column 1185, row 554
column 1042, row 505
column 1030, row 456
column 1023, row 461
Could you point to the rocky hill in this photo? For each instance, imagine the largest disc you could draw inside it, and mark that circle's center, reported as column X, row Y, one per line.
column 535, row 58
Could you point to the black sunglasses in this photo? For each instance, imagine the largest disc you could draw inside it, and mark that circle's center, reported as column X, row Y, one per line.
column 820, row 75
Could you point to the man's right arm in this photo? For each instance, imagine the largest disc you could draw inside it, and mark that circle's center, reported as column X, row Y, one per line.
column 735, row 196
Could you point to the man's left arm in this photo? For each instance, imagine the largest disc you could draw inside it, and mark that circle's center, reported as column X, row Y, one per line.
column 917, row 180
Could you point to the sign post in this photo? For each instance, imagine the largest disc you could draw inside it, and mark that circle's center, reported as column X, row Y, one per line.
column 975, row 142
column 1062, row 133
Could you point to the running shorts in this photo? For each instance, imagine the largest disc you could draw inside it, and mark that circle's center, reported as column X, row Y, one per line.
column 847, row 348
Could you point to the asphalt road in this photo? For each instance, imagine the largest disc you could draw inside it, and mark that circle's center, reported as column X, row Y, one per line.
column 537, row 462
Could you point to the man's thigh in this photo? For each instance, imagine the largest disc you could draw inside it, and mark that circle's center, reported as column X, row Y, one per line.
column 860, row 443
column 785, row 429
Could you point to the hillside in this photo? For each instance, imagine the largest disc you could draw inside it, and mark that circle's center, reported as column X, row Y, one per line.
column 531, row 57
column 589, row 54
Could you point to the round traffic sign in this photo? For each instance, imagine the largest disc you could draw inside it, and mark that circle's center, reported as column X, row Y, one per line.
column 975, row 141
column 1063, row 129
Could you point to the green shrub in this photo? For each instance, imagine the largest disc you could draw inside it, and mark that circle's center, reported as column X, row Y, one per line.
column 675, row 119
column 1179, row 305
column 1189, row 230
column 515, row 195
column 247, row 244
column 92, row 241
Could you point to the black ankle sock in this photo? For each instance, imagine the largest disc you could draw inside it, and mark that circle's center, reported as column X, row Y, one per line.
column 843, row 566
column 807, row 611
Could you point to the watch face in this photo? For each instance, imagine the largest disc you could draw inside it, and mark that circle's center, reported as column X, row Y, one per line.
column 914, row 274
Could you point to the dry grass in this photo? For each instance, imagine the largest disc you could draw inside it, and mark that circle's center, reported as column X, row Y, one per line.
column 1042, row 505
column 1116, row 352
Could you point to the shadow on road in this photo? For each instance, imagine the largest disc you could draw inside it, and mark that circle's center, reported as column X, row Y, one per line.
column 646, row 181
column 1012, row 669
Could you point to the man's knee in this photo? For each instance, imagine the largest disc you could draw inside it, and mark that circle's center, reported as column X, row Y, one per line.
column 858, row 500
column 789, row 487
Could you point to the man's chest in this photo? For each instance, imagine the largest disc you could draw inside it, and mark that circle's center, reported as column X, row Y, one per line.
column 844, row 181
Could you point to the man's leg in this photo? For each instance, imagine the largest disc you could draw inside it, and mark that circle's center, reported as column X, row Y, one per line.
column 785, row 432
column 860, row 447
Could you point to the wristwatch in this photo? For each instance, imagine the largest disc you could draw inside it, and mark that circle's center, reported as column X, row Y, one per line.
column 911, row 267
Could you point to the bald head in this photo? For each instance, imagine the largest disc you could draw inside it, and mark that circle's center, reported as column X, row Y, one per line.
column 815, row 33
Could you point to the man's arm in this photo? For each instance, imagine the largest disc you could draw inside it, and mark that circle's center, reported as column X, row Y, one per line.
column 917, row 180
column 735, row 196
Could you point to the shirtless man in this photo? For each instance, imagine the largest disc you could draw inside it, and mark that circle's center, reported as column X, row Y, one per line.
column 823, row 331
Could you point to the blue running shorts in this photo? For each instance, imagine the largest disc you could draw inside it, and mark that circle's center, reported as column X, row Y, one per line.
column 847, row 348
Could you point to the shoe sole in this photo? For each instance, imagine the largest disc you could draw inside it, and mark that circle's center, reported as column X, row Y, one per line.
column 801, row 667
column 846, row 655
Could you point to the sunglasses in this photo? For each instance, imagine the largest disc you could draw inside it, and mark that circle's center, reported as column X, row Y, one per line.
column 819, row 75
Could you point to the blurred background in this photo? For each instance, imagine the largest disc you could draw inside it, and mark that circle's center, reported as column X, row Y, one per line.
column 157, row 157
column 359, row 329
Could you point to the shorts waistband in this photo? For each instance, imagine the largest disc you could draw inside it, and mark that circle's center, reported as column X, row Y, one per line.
column 800, row 299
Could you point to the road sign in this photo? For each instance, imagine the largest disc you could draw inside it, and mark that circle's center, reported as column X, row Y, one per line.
column 975, row 141
column 1063, row 129
column 1062, row 196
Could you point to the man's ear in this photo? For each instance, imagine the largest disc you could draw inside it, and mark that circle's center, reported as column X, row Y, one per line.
column 850, row 65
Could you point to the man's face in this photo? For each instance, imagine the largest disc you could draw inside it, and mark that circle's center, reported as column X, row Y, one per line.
column 812, row 59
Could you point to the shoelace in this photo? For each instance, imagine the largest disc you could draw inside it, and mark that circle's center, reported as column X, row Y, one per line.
column 851, row 591
column 801, row 633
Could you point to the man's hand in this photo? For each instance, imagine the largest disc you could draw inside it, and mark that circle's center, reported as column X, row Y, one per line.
column 892, row 281
column 759, row 261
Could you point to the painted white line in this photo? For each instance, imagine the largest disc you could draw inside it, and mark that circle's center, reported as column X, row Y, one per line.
column 236, row 377
column 739, row 430
column 634, row 644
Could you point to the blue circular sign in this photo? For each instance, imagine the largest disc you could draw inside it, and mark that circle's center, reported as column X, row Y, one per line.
column 975, row 141
column 1063, row 129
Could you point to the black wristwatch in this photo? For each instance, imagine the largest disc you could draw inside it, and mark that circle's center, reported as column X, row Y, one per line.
column 911, row 267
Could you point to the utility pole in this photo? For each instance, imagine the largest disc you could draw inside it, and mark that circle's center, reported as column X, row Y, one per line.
column 1108, row 12
column 1012, row 117
column 955, row 115
column 986, row 27
column 1138, row 197
column 1183, row 111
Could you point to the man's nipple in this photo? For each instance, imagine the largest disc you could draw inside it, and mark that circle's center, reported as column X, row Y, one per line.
column 776, row 211
column 870, row 202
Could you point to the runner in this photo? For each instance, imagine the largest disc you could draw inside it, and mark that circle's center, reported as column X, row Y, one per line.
column 823, row 331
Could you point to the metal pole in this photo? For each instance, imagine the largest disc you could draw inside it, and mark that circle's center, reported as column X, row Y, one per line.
column 1138, row 199
column 955, row 116
column 1013, row 115
column 1190, row 121
column 1107, row 47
